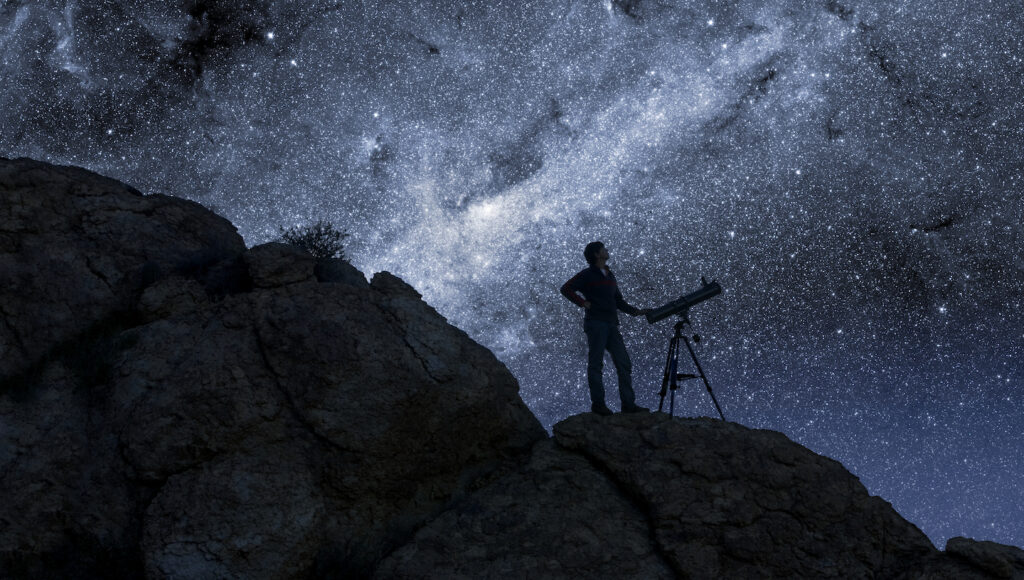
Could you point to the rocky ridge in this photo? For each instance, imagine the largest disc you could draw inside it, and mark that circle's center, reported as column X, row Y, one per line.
column 175, row 405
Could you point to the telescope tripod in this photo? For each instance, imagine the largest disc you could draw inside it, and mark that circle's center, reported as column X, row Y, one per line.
column 672, row 377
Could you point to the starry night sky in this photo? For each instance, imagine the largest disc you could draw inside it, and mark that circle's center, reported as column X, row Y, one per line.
column 850, row 172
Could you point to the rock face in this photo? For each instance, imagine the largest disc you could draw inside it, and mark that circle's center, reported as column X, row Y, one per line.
column 558, row 516
column 174, row 405
column 648, row 496
column 77, row 248
column 693, row 498
column 727, row 501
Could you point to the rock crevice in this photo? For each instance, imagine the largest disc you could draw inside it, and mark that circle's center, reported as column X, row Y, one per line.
column 638, row 501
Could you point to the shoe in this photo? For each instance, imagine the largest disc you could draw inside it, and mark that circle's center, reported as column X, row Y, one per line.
column 601, row 409
column 634, row 408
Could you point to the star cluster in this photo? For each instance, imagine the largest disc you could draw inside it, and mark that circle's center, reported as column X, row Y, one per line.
column 850, row 172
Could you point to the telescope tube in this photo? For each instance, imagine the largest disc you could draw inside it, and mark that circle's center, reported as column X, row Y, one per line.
column 680, row 304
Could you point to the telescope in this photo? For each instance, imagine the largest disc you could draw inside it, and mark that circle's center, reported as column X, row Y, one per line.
column 683, row 304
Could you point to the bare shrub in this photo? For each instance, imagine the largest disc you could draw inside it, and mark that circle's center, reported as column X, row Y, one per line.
column 321, row 239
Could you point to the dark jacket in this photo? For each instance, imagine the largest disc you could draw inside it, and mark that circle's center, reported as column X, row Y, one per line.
column 601, row 291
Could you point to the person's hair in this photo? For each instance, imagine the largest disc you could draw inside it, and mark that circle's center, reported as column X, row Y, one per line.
column 590, row 252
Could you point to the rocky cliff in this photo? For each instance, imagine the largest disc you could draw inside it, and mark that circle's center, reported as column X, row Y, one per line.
column 175, row 405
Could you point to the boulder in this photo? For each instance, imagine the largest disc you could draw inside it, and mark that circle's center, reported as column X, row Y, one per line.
column 338, row 271
column 728, row 501
column 966, row 559
column 557, row 516
column 278, row 264
column 77, row 248
column 174, row 405
column 995, row 559
column 648, row 496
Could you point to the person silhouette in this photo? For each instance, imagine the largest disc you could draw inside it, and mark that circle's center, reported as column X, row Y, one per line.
column 601, row 299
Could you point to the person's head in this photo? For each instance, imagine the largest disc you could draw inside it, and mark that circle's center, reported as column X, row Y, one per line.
column 592, row 252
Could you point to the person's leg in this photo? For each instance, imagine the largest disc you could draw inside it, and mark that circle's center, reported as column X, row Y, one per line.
column 597, row 339
column 623, row 367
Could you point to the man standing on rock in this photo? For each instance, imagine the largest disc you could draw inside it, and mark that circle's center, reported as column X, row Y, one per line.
column 601, row 299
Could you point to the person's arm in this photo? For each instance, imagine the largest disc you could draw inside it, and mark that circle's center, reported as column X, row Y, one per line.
column 624, row 306
column 571, row 291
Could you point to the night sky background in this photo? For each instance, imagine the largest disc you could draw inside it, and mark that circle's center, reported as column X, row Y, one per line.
column 850, row 172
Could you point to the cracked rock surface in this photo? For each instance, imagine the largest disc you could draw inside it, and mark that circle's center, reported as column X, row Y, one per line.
column 649, row 496
column 76, row 248
column 728, row 501
column 174, row 405
column 557, row 516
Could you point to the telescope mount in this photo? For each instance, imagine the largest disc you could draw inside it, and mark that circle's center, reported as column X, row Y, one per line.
column 670, row 382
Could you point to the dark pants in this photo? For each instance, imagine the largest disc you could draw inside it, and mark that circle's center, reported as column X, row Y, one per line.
column 602, row 336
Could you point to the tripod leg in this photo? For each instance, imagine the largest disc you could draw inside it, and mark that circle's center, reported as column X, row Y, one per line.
column 703, row 377
column 673, row 381
column 669, row 370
